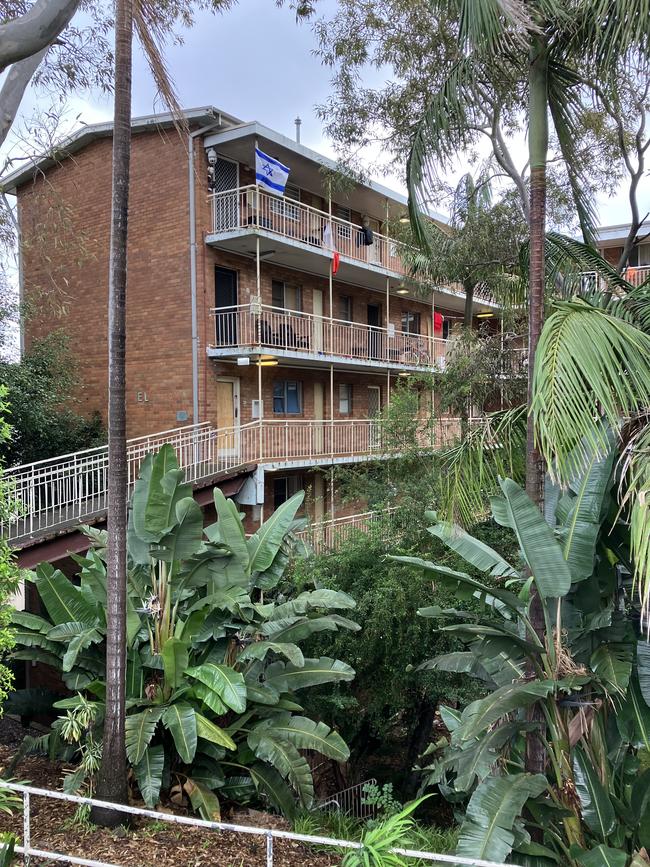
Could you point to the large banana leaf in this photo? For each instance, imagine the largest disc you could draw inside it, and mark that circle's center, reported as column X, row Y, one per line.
column 635, row 714
column 139, row 730
column 477, row 553
column 306, row 734
column 270, row 747
column 643, row 668
column 285, row 677
column 175, row 659
column 149, row 772
column 536, row 540
column 203, row 800
column 480, row 714
column 313, row 600
column 156, row 493
column 63, row 601
column 32, row 622
column 601, row 856
column 259, row 650
column 597, row 809
column 210, row 732
column 232, row 530
column 228, row 684
column 487, row 830
column 265, row 543
column 185, row 537
column 477, row 757
column 270, row 783
column 180, row 720
column 613, row 665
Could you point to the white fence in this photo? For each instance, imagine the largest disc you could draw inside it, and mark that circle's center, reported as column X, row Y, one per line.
column 62, row 491
column 250, row 208
column 328, row 535
column 269, row 834
column 636, row 275
column 275, row 328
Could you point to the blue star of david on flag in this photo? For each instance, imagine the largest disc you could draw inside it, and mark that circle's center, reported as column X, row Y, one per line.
column 270, row 173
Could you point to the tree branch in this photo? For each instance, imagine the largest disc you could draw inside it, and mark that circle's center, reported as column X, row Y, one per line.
column 35, row 30
column 13, row 89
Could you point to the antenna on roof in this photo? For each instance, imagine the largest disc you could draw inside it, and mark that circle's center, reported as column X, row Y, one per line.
column 298, row 122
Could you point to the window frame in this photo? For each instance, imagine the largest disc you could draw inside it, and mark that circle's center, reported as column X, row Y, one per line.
column 346, row 316
column 283, row 384
column 410, row 318
column 346, row 392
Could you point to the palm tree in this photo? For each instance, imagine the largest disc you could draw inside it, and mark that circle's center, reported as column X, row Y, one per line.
column 112, row 780
column 529, row 48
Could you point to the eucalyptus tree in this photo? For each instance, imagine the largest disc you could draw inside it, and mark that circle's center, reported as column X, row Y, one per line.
column 533, row 48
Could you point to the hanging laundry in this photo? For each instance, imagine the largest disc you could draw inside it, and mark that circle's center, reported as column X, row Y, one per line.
column 365, row 236
column 438, row 319
column 328, row 244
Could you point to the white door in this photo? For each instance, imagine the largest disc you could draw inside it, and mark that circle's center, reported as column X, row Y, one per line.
column 226, row 203
column 317, row 303
column 374, row 409
column 228, row 421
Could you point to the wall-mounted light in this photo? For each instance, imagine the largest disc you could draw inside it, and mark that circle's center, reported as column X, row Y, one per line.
column 405, row 218
column 484, row 315
column 266, row 361
column 402, row 290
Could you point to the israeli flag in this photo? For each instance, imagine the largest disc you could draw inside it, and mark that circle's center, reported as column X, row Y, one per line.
column 270, row 173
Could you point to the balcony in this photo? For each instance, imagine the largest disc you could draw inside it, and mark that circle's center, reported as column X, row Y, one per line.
column 258, row 328
column 56, row 495
column 636, row 275
column 292, row 234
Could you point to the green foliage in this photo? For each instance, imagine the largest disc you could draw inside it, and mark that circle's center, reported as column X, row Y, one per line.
column 7, row 845
column 382, row 712
column 581, row 676
column 214, row 666
column 10, row 574
column 377, row 842
column 41, row 397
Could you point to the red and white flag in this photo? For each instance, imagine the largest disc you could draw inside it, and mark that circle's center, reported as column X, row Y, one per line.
column 328, row 244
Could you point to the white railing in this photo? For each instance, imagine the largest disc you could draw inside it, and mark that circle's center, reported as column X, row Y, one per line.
column 634, row 275
column 273, row 328
column 249, row 207
column 269, row 834
column 60, row 492
column 329, row 535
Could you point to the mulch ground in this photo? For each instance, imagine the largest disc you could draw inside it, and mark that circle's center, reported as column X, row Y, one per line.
column 147, row 843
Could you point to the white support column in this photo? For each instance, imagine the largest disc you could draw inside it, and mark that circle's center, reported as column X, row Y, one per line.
column 332, row 411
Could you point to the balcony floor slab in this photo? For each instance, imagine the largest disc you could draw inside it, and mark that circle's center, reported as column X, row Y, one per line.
column 296, row 358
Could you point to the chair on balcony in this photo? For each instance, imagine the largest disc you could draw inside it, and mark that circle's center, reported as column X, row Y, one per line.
column 288, row 338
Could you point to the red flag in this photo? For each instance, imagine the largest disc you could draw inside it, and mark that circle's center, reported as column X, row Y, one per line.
column 328, row 244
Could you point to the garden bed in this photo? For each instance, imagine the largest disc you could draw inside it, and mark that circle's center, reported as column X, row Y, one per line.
column 149, row 842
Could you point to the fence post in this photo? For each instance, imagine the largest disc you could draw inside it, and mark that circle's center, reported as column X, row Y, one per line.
column 26, row 828
column 269, row 849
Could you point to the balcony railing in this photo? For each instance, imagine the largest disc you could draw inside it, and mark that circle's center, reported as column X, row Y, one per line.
column 592, row 280
column 329, row 535
column 273, row 328
column 249, row 207
column 60, row 492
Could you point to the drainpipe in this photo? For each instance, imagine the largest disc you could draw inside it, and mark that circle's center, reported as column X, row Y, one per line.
column 195, row 324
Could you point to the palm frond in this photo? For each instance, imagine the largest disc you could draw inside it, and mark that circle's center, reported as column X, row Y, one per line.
column 565, row 107
column 634, row 497
column 469, row 471
column 491, row 23
column 590, row 366
column 152, row 35
column 604, row 31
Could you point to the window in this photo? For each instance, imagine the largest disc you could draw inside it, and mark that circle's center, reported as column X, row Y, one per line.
column 345, row 308
column 284, row 488
column 286, row 296
column 640, row 256
column 411, row 322
column 345, row 398
column 343, row 213
column 287, row 397
column 282, row 207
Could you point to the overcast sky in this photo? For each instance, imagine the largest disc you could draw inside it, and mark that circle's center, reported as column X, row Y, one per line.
column 257, row 63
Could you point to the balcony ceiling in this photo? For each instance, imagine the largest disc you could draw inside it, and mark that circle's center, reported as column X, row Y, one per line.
column 294, row 254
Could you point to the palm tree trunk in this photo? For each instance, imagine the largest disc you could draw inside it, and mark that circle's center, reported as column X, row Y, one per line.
column 538, row 150
column 112, row 780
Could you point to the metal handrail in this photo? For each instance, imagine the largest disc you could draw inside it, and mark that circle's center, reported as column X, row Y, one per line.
column 270, row 834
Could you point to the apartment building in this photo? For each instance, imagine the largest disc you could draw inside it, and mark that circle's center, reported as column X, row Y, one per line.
column 610, row 240
column 238, row 318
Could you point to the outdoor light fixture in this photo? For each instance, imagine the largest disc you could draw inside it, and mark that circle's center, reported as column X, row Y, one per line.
column 484, row 315
column 266, row 361
column 402, row 290
column 405, row 218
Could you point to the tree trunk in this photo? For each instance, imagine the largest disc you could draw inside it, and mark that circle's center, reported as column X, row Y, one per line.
column 112, row 779
column 538, row 149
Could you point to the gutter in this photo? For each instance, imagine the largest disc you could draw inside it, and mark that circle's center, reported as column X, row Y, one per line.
column 195, row 325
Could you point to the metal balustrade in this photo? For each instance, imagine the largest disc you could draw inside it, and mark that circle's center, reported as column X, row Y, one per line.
column 60, row 492
column 270, row 835
column 251, row 208
column 274, row 328
column 588, row 280
column 329, row 535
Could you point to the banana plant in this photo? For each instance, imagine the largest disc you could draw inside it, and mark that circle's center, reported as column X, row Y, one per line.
column 587, row 678
column 214, row 663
